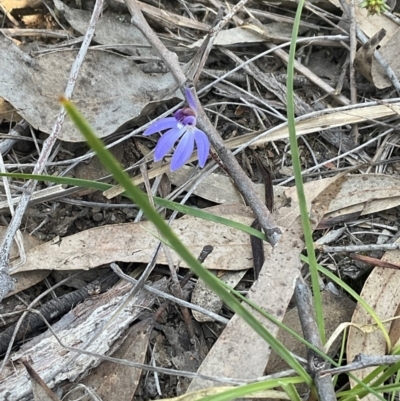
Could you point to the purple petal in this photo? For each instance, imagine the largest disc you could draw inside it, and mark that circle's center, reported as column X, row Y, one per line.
column 183, row 151
column 164, row 123
column 203, row 146
column 191, row 101
column 166, row 142
column 189, row 120
column 179, row 115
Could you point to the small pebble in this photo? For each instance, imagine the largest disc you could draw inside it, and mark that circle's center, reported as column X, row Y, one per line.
column 98, row 217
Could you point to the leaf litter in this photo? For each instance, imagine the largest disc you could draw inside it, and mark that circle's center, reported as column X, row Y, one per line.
column 115, row 95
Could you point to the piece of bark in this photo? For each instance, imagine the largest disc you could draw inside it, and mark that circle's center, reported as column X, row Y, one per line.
column 77, row 329
column 55, row 308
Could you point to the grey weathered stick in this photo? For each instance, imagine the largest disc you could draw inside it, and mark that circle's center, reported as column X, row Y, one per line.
column 241, row 180
column 6, row 283
column 362, row 361
column 358, row 248
column 324, row 385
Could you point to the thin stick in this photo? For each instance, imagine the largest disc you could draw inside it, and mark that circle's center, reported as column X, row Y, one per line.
column 358, row 248
column 316, row 364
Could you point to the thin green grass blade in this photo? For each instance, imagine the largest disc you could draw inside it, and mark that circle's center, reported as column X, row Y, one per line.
column 252, row 388
column 299, row 179
column 291, row 391
column 100, row 186
column 362, row 302
column 108, row 160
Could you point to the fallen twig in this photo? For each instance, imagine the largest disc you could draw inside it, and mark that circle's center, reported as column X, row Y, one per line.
column 316, row 364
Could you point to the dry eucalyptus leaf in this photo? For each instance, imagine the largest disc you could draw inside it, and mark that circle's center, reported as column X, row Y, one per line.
column 25, row 280
column 365, row 55
column 328, row 119
column 8, row 113
column 321, row 203
column 110, row 92
column 382, row 293
column 112, row 381
column 41, row 391
column 394, row 331
column 109, row 30
column 336, row 310
column 229, row 357
column 366, row 193
column 390, row 53
column 371, row 25
column 233, row 36
column 135, row 242
column 203, row 296
column 219, row 188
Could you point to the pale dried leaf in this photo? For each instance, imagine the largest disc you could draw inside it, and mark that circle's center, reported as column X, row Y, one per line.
column 7, row 112
column 382, row 293
column 367, row 193
column 394, row 332
column 336, row 310
column 329, row 119
column 233, row 36
column 203, row 296
column 114, row 382
column 25, row 280
column 135, row 242
column 110, row 90
column 109, row 31
column 219, row 188
column 229, row 356
column 371, row 25
column 390, row 53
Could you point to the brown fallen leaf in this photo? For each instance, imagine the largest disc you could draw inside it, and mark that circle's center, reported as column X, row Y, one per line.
column 366, row 193
column 105, row 93
column 39, row 388
column 370, row 26
column 389, row 51
column 382, row 293
column 272, row 292
column 109, row 30
column 336, row 309
column 229, row 357
column 25, row 280
column 134, row 242
column 365, row 55
column 7, row 112
column 115, row 382
column 203, row 296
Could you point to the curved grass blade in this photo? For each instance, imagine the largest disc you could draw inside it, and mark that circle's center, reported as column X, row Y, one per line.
column 108, row 160
column 305, row 220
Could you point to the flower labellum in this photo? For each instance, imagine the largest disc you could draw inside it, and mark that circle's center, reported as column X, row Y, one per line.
column 181, row 127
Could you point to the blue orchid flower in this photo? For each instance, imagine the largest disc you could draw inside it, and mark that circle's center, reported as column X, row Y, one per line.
column 181, row 127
